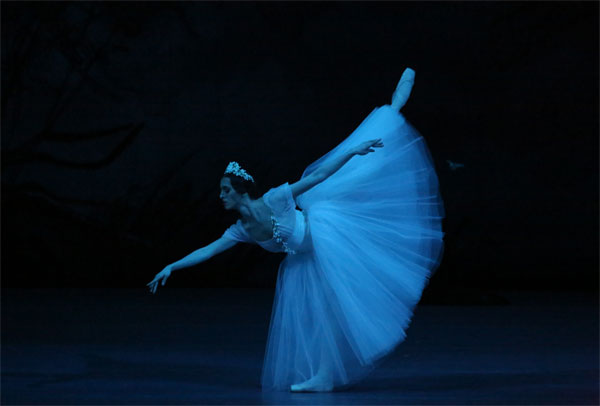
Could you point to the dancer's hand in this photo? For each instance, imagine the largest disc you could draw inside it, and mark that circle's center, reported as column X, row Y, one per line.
column 367, row 146
column 164, row 275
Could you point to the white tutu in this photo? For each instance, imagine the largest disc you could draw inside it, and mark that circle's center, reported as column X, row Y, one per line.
column 375, row 228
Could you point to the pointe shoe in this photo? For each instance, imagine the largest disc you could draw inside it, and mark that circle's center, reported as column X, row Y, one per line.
column 314, row 384
column 403, row 89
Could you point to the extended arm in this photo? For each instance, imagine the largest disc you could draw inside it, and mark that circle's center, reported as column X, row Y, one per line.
column 194, row 258
column 203, row 253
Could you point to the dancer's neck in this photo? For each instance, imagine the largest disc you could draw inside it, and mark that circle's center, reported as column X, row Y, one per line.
column 247, row 209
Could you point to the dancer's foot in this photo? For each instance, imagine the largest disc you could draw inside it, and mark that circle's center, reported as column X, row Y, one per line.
column 318, row 383
column 402, row 92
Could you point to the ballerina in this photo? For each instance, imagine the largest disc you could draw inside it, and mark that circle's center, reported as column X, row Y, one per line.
column 360, row 250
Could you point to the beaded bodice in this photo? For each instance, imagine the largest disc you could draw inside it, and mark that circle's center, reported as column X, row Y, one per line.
column 279, row 237
column 289, row 239
column 291, row 231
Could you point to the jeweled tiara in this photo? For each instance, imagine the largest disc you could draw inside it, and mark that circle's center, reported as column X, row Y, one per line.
column 237, row 170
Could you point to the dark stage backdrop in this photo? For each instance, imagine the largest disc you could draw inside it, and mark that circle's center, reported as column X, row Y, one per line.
column 118, row 120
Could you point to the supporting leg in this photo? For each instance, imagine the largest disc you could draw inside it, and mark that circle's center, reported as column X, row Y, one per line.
column 321, row 382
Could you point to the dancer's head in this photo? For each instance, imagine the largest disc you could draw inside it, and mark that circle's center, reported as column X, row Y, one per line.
column 236, row 185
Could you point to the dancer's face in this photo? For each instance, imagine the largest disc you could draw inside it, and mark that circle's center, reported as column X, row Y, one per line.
column 228, row 194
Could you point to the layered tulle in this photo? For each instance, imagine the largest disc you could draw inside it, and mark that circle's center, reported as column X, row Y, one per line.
column 376, row 230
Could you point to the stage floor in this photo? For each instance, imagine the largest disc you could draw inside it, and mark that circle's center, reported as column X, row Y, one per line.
column 206, row 346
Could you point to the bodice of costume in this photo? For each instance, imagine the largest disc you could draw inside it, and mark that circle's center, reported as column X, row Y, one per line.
column 291, row 233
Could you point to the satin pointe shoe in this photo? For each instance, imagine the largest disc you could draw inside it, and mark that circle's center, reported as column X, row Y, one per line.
column 403, row 89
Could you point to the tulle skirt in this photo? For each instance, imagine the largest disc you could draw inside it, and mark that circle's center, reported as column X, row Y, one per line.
column 376, row 229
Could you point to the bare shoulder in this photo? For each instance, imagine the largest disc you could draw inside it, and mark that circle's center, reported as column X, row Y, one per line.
column 260, row 210
column 258, row 226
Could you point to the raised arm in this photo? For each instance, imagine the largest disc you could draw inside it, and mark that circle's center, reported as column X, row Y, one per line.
column 194, row 258
column 331, row 167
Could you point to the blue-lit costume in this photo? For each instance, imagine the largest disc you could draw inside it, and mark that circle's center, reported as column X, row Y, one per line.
column 360, row 251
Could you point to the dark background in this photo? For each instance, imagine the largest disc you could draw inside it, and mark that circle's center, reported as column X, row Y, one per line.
column 118, row 120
